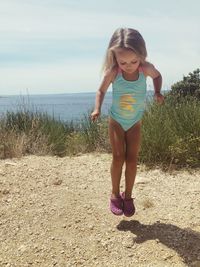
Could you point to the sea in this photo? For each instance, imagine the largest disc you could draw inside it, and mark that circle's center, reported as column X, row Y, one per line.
column 65, row 107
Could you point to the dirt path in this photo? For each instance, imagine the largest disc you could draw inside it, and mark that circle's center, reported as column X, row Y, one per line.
column 54, row 212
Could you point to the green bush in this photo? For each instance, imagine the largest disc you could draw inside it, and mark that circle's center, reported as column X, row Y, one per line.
column 171, row 133
column 42, row 133
column 189, row 86
column 95, row 134
column 27, row 132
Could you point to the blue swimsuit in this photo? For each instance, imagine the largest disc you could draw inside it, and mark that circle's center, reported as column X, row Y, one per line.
column 128, row 100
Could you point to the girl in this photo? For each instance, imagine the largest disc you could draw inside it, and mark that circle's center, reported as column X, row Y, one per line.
column 126, row 68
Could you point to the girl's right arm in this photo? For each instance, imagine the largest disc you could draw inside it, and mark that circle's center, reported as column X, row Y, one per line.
column 107, row 80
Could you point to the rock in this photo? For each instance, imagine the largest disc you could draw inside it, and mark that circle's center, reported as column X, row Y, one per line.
column 91, row 227
column 5, row 191
column 7, row 164
column 57, row 182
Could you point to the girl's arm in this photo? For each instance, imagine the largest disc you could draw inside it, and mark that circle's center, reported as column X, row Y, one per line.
column 150, row 70
column 107, row 80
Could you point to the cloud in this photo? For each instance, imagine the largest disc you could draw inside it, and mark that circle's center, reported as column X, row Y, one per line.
column 51, row 78
column 59, row 45
column 30, row 19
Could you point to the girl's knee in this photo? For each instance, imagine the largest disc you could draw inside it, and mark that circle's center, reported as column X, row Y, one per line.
column 119, row 158
column 131, row 159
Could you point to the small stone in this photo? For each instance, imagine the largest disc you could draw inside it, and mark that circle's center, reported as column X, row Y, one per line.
column 5, row 191
column 10, row 164
column 57, row 182
column 91, row 227
column 22, row 248
column 2, row 172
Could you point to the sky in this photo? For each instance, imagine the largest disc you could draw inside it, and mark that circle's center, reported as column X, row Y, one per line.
column 58, row 46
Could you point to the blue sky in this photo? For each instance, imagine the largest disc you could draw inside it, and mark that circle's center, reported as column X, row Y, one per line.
column 58, row 46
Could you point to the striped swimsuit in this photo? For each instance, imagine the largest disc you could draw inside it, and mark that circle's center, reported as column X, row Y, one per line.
column 128, row 99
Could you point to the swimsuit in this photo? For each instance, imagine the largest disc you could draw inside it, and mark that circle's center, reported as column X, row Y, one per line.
column 128, row 100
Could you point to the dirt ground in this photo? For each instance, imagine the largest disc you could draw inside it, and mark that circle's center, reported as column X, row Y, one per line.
column 54, row 212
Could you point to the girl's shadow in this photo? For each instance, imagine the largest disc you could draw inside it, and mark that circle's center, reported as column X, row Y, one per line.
column 185, row 242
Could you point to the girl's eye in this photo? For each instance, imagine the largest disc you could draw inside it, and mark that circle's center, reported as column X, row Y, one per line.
column 124, row 63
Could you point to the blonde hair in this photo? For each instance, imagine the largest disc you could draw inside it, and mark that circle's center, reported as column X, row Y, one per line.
column 124, row 38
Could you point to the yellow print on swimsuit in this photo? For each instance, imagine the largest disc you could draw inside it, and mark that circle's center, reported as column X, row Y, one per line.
column 126, row 104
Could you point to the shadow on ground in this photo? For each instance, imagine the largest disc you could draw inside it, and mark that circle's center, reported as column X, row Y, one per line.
column 185, row 242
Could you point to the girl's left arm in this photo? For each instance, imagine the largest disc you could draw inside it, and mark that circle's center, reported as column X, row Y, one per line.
column 150, row 70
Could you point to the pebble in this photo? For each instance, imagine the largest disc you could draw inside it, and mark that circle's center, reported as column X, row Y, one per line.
column 7, row 164
column 91, row 227
column 57, row 182
column 8, row 200
column 2, row 172
column 5, row 191
column 22, row 248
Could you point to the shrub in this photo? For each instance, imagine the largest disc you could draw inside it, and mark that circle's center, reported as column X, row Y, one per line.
column 189, row 86
column 171, row 133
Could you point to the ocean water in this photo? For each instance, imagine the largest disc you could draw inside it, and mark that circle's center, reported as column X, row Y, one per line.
column 65, row 107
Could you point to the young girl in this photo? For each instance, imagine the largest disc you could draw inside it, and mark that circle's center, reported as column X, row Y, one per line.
column 126, row 68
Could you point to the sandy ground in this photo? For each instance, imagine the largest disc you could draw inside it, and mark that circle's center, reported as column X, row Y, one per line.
column 54, row 212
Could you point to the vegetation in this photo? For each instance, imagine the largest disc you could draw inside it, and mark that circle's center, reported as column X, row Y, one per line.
column 188, row 87
column 170, row 132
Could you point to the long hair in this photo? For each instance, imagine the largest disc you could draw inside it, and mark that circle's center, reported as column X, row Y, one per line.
column 124, row 38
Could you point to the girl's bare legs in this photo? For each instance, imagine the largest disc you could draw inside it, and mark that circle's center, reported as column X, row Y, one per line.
column 132, row 139
column 117, row 140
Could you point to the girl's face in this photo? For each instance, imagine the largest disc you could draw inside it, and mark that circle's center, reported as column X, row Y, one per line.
column 127, row 60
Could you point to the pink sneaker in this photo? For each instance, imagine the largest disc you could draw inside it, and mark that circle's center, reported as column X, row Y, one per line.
column 116, row 205
column 129, row 208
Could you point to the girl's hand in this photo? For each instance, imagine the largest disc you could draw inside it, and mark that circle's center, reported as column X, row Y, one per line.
column 159, row 98
column 95, row 114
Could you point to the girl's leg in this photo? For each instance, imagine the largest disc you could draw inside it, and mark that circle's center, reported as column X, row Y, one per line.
column 117, row 140
column 132, row 138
